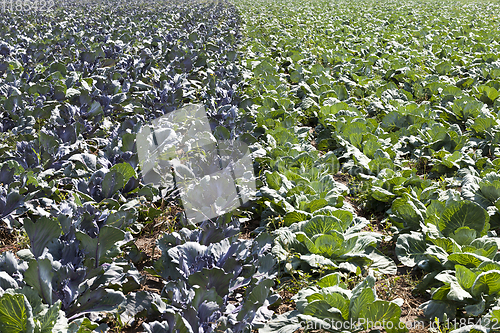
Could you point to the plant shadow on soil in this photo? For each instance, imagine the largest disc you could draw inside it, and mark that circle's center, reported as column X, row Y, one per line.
column 12, row 240
column 146, row 242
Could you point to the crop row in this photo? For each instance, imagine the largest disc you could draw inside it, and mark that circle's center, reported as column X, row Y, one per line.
column 404, row 99
column 76, row 86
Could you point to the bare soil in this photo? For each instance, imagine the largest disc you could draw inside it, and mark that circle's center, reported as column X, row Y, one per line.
column 402, row 285
column 247, row 228
column 342, row 178
column 146, row 243
column 286, row 304
column 12, row 241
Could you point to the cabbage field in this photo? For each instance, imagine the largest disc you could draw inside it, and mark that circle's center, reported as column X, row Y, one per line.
column 367, row 198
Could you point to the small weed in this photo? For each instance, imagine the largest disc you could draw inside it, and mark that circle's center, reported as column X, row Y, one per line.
column 387, row 286
column 115, row 323
column 354, row 279
column 275, row 222
column 294, row 282
column 23, row 240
